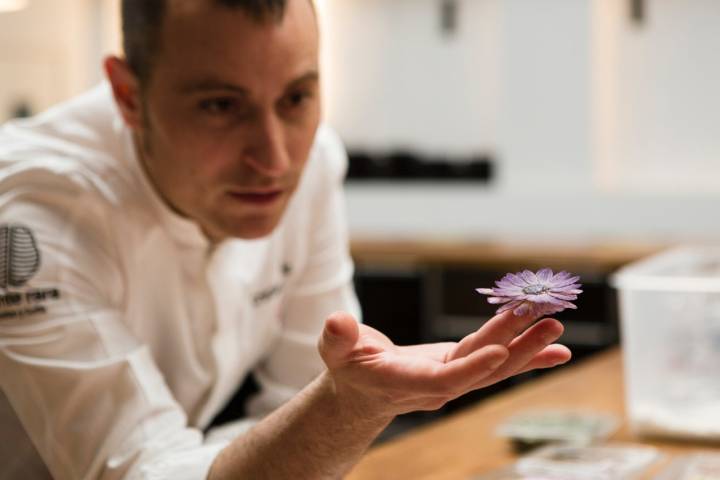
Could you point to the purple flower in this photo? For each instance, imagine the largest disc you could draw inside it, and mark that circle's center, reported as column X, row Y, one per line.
column 535, row 294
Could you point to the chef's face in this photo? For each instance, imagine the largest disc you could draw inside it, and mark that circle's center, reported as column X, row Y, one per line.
column 226, row 120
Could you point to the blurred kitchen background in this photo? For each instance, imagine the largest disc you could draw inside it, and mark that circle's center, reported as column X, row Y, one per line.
column 485, row 136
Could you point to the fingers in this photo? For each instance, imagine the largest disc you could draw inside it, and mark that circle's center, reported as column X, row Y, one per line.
column 529, row 343
column 550, row 356
column 500, row 330
column 338, row 338
column 457, row 375
column 503, row 328
column 532, row 350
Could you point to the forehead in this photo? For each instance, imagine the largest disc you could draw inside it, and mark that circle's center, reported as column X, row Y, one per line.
column 207, row 37
column 297, row 15
column 195, row 6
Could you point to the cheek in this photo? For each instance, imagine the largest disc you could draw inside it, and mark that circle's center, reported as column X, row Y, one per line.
column 301, row 144
column 193, row 155
column 219, row 156
column 182, row 146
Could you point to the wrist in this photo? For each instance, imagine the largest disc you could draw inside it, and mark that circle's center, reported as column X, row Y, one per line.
column 356, row 405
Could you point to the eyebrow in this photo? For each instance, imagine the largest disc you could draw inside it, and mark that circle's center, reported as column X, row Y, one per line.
column 312, row 76
column 209, row 84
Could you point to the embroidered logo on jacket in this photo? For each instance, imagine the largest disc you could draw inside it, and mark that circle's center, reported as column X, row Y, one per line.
column 19, row 262
column 268, row 293
column 19, row 256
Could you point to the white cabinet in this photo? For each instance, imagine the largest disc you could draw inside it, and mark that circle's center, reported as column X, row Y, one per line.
column 657, row 107
column 52, row 50
column 572, row 95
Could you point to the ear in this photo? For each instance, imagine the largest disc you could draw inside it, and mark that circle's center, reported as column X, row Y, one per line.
column 126, row 90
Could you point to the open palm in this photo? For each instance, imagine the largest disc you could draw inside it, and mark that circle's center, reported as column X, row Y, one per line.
column 424, row 377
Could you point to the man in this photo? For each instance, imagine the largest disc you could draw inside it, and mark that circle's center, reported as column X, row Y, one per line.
column 158, row 247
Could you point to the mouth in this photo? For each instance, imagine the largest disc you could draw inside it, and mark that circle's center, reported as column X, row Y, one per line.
column 257, row 197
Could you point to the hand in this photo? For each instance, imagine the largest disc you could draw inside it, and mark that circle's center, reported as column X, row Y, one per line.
column 380, row 378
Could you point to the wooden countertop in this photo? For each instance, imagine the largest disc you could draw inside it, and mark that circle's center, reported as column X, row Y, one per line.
column 601, row 257
column 465, row 444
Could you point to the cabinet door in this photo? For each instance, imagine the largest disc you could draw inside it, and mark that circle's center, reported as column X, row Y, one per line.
column 33, row 85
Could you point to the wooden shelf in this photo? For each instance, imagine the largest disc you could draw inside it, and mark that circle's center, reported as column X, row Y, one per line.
column 600, row 257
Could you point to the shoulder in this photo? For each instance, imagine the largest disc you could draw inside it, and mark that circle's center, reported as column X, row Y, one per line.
column 83, row 124
column 62, row 175
column 75, row 147
column 60, row 241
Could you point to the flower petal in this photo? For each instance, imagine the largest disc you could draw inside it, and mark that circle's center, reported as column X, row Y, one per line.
column 496, row 300
column 568, row 304
column 548, row 309
column 515, row 280
column 545, row 298
column 505, row 292
column 564, row 282
column 560, row 276
column 522, row 309
column 529, row 277
column 485, row 291
column 509, row 306
column 544, row 275
column 563, row 296
column 505, row 284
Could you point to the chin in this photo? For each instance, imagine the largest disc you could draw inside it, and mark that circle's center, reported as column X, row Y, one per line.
column 249, row 228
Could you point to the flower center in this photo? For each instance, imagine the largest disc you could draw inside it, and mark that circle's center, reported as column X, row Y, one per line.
column 535, row 289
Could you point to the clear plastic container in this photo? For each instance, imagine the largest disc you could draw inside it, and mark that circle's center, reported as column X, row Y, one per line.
column 670, row 325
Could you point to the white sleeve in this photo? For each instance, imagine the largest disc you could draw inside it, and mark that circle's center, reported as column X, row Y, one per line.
column 86, row 391
column 323, row 287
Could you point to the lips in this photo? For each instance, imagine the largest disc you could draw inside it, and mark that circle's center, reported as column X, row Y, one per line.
column 257, row 197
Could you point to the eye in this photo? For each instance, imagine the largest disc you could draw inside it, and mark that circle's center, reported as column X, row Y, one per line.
column 218, row 106
column 296, row 99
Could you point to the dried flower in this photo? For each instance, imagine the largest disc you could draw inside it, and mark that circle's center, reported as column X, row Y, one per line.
column 535, row 294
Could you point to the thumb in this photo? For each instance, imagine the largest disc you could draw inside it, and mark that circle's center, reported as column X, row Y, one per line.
column 338, row 338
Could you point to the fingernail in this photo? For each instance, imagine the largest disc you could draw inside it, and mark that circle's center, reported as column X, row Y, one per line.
column 333, row 329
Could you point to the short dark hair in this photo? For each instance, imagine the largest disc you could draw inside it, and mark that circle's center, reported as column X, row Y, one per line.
column 142, row 22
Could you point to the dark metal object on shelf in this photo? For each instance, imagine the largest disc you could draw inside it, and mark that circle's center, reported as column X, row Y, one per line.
column 637, row 11
column 449, row 16
column 406, row 166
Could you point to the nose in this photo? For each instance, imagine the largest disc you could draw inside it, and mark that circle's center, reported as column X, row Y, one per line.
column 267, row 152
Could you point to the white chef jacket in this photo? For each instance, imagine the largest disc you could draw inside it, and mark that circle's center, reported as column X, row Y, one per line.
column 123, row 331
